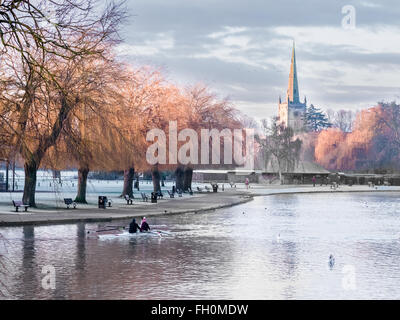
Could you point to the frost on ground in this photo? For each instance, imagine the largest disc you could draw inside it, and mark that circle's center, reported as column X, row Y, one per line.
column 51, row 192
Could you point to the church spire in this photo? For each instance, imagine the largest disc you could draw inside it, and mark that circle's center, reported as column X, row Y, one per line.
column 293, row 87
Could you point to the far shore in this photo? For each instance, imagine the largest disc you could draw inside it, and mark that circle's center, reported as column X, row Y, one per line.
column 200, row 202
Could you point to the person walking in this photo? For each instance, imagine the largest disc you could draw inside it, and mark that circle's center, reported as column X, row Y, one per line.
column 247, row 183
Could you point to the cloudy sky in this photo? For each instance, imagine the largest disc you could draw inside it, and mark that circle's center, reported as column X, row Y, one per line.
column 242, row 49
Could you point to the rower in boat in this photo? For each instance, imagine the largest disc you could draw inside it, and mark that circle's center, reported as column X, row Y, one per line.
column 144, row 226
column 133, row 226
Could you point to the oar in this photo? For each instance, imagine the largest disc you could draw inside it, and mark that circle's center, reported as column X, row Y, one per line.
column 115, row 227
column 101, row 230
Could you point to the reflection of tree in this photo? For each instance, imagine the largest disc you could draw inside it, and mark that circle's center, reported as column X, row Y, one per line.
column 80, row 259
column 4, row 269
column 29, row 274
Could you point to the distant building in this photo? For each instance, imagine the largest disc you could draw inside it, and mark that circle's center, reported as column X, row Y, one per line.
column 292, row 114
column 292, row 111
column 301, row 172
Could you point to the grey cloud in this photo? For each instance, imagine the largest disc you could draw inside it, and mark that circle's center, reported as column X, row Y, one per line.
column 190, row 23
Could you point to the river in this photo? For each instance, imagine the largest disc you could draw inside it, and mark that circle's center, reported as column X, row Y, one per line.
column 274, row 247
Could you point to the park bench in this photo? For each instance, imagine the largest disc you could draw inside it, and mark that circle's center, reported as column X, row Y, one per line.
column 20, row 204
column 199, row 189
column 144, row 197
column 171, row 194
column 179, row 192
column 207, row 188
column 69, row 201
column 128, row 199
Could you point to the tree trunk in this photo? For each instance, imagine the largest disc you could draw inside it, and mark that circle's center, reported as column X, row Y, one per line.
column 280, row 176
column 57, row 175
column 137, row 182
column 129, row 176
column 179, row 177
column 156, row 177
column 7, row 168
column 82, row 183
column 188, row 174
column 30, row 183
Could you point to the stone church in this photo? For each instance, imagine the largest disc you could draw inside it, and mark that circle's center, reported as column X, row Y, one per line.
column 292, row 111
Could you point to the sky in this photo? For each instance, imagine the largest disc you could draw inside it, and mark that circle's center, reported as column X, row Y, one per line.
column 242, row 49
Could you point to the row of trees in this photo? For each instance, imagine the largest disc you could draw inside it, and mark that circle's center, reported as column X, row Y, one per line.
column 373, row 143
column 317, row 120
column 368, row 140
column 67, row 102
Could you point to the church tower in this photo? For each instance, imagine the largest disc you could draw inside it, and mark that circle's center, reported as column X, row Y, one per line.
column 292, row 111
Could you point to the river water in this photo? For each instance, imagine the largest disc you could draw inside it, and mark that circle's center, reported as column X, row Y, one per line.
column 275, row 247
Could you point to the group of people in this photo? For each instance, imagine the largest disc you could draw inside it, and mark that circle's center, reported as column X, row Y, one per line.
column 134, row 227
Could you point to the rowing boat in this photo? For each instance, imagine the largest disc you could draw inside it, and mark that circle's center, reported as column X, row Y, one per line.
column 124, row 235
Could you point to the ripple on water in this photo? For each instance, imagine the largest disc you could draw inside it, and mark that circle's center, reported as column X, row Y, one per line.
column 279, row 253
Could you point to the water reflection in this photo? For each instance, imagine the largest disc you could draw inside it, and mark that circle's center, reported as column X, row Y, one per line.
column 30, row 275
column 234, row 253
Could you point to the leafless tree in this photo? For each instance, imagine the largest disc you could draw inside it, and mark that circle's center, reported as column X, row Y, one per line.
column 388, row 123
column 342, row 119
column 278, row 143
column 66, row 28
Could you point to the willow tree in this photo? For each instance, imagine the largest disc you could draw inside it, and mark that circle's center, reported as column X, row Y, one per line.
column 167, row 105
column 40, row 81
column 93, row 124
column 205, row 110
column 142, row 89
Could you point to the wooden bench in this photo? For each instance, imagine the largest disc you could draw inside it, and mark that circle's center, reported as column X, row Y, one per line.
column 20, row 204
column 160, row 195
column 144, row 197
column 207, row 188
column 199, row 189
column 128, row 199
column 171, row 194
column 69, row 201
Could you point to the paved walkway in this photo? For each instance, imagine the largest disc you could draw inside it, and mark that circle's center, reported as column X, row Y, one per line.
column 185, row 204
